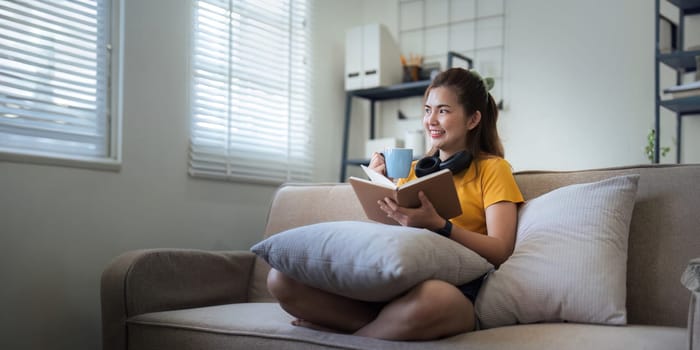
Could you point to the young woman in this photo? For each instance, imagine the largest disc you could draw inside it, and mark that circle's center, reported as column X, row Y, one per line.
column 460, row 118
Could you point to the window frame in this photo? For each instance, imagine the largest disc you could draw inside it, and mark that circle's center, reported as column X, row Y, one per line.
column 113, row 160
column 293, row 173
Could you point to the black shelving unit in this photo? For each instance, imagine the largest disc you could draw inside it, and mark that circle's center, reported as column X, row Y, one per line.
column 410, row 89
column 682, row 62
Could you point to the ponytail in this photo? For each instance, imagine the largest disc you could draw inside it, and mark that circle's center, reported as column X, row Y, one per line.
column 490, row 141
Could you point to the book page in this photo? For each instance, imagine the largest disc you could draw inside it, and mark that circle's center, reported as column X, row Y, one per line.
column 378, row 178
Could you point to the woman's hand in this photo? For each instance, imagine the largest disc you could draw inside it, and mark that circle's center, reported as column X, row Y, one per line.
column 377, row 163
column 424, row 216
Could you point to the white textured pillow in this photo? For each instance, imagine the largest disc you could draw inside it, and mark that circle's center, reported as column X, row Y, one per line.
column 570, row 259
column 368, row 261
column 691, row 280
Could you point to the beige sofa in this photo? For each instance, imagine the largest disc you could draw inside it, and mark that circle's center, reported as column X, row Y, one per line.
column 190, row 299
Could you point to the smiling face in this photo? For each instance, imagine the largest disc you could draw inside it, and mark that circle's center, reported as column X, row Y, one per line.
column 446, row 123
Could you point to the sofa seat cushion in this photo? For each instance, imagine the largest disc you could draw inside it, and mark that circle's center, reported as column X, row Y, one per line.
column 267, row 326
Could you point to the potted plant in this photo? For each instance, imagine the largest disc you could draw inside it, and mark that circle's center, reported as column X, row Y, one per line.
column 649, row 149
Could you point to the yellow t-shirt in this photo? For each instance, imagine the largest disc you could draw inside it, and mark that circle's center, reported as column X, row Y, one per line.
column 494, row 183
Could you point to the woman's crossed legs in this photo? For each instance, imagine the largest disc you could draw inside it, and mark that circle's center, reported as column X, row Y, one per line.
column 432, row 309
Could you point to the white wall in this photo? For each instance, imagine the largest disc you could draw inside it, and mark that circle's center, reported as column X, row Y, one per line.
column 580, row 82
column 578, row 96
column 331, row 19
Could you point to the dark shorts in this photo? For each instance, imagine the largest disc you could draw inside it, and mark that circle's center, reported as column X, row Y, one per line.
column 471, row 289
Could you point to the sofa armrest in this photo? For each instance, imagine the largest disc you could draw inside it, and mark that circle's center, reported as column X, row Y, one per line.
column 143, row 281
column 691, row 280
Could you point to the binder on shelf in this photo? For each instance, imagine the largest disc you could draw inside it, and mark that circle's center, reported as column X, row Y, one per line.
column 372, row 58
column 667, row 35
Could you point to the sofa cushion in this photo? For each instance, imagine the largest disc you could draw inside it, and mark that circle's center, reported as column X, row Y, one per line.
column 368, row 261
column 569, row 262
column 266, row 326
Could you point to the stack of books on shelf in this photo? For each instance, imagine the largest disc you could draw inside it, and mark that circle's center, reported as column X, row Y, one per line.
column 684, row 90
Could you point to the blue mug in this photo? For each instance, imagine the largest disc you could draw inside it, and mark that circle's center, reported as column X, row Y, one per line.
column 398, row 162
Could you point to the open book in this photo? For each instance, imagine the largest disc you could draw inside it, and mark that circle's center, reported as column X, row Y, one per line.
column 438, row 187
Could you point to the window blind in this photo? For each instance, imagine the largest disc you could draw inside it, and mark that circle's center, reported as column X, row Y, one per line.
column 54, row 78
column 250, row 118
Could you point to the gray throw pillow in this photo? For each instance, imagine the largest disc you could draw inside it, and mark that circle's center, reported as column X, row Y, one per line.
column 570, row 259
column 368, row 261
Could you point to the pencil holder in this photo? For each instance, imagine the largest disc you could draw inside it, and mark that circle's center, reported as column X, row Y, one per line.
column 411, row 73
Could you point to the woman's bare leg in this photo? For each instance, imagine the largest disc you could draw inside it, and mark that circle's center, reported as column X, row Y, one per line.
column 431, row 310
column 318, row 309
